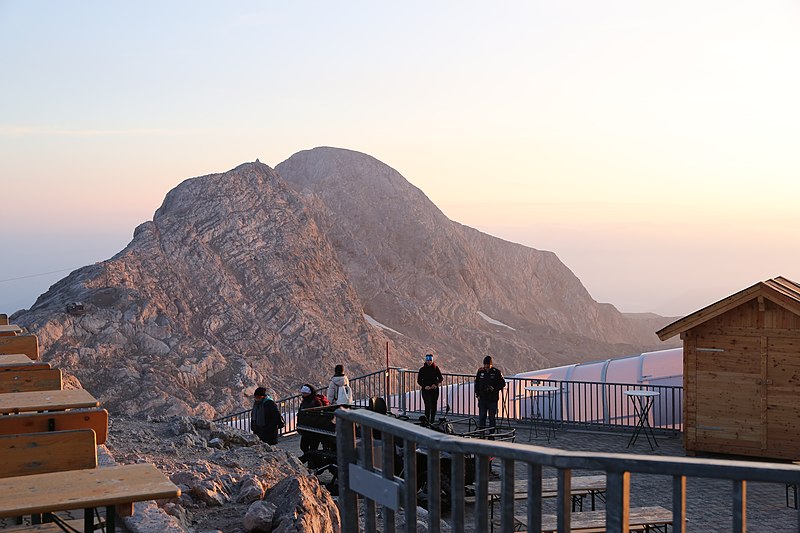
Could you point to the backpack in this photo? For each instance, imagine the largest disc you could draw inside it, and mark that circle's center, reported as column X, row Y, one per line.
column 323, row 400
column 344, row 395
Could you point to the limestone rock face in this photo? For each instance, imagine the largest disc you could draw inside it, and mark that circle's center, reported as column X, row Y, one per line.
column 256, row 277
column 230, row 286
column 442, row 286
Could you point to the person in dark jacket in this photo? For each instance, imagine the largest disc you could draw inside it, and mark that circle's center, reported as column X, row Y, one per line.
column 489, row 382
column 308, row 441
column 265, row 419
column 429, row 377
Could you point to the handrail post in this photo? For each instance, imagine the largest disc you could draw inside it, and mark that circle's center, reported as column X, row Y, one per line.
column 346, row 455
column 618, row 489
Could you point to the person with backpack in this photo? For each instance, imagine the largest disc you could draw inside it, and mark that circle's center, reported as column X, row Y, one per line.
column 339, row 391
column 265, row 419
column 489, row 381
column 310, row 441
column 429, row 377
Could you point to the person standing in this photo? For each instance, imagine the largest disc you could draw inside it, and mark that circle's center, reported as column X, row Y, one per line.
column 489, row 382
column 265, row 419
column 428, row 378
column 308, row 441
column 339, row 392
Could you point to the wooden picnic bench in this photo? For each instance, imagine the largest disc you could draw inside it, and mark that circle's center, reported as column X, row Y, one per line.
column 38, row 453
column 108, row 487
column 24, row 344
column 55, row 400
column 581, row 486
column 7, row 330
column 650, row 519
column 94, row 419
column 18, row 361
column 42, row 379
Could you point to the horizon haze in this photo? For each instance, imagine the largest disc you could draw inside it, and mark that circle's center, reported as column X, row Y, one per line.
column 651, row 148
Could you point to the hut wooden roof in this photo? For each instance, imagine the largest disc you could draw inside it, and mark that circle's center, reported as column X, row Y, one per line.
column 782, row 291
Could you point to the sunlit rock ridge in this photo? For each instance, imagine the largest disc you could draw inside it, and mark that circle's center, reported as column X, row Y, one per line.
column 261, row 276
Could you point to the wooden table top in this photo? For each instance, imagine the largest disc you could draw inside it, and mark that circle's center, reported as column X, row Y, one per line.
column 52, row 400
column 13, row 328
column 78, row 489
column 578, row 483
column 14, row 358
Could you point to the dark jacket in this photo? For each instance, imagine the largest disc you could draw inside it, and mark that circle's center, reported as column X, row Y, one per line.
column 429, row 375
column 264, row 420
column 310, row 401
column 488, row 384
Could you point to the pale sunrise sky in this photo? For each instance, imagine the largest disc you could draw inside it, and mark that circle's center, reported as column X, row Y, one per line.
column 654, row 147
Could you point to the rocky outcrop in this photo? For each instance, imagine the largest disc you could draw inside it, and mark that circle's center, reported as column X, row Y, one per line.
column 230, row 286
column 241, row 484
column 443, row 286
column 244, row 279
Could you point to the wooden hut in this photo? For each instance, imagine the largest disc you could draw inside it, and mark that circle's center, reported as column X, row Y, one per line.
column 741, row 372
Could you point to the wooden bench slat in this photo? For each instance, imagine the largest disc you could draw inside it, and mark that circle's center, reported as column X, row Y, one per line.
column 25, row 344
column 592, row 521
column 42, row 379
column 18, row 359
column 78, row 489
column 95, row 419
column 55, row 400
column 55, row 451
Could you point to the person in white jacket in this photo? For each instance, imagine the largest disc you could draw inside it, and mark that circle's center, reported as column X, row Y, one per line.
column 339, row 392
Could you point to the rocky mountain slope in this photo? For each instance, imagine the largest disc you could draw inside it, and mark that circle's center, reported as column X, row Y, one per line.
column 451, row 288
column 255, row 277
column 230, row 286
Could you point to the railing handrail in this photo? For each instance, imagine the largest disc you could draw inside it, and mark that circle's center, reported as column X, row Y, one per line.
column 616, row 466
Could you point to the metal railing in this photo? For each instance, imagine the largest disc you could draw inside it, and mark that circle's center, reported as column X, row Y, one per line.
column 359, row 478
column 576, row 403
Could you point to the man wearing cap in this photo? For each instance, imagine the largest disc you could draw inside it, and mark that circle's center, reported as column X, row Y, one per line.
column 264, row 416
column 429, row 377
column 488, row 383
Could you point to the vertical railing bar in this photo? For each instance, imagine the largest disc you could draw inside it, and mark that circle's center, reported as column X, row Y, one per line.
column 370, row 523
column 679, row 504
column 618, row 502
column 457, row 483
column 739, row 506
column 410, row 485
column 346, row 455
column 387, row 468
column 481, row 493
column 507, row 496
column 564, row 500
column 434, row 491
column 534, row 497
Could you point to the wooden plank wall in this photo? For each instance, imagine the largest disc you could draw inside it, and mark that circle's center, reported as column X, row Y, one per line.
column 742, row 382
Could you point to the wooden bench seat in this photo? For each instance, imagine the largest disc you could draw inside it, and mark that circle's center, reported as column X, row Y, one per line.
column 7, row 330
column 41, row 379
column 39, row 453
column 94, row 419
column 640, row 519
column 111, row 487
column 18, row 361
column 25, row 344
column 54, row 400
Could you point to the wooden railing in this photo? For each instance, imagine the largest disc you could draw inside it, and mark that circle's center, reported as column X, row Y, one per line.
column 358, row 477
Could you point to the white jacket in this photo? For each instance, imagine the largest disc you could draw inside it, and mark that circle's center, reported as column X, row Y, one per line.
column 333, row 387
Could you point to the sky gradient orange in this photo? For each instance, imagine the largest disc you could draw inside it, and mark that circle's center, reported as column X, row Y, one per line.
column 652, row 147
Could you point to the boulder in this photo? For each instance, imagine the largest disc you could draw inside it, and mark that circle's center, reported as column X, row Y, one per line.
column 259, row 517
